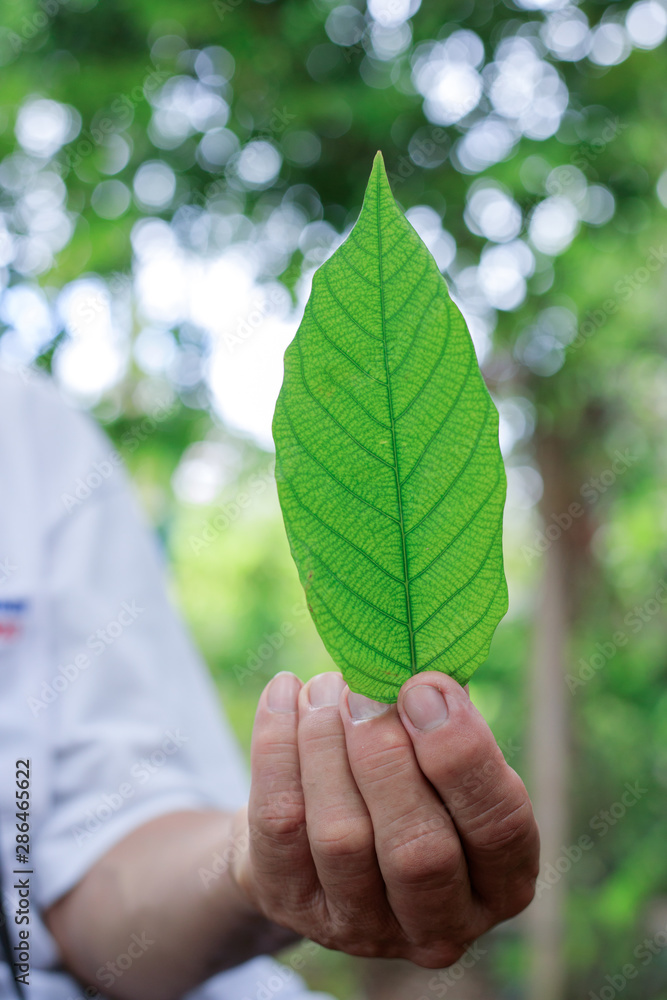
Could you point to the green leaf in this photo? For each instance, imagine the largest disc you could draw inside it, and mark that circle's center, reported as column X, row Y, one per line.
column 389, row 473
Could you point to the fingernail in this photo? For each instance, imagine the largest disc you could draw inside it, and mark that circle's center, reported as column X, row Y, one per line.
column 283, row 693
column 425, row 706
column 324, row 690
column 362, row 708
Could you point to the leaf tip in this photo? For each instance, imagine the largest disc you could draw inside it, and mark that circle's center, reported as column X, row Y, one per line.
column 379, row 170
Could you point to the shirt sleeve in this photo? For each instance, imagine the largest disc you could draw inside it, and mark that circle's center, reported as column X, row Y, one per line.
column 137, row 731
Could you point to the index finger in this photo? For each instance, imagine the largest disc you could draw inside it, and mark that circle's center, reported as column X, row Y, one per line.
column 486, row 799
column 282, row 869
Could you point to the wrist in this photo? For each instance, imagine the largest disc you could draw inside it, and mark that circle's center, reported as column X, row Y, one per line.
column 240, row 869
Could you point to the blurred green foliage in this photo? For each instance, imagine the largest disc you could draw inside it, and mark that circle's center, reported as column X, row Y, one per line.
column 599, row 390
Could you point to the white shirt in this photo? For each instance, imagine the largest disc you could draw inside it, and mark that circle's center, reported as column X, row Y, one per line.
column 100, row 687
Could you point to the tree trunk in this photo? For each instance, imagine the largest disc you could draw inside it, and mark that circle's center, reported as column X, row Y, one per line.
column 549, row 732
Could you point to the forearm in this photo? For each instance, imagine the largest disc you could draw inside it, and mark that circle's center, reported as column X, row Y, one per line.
column 165, row 897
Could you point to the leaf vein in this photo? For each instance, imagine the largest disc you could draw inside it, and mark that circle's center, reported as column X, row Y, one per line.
column 358, row 638
column 416, row 333
column 363, row 277
column 399, row 497
column 397, row 312
column 340, row 534
column 464, row 585
column 469, row 629
column 371, row 416
column 355, row 239
column 458, row 533
column 444, row 420
column 456, row 477
column 428, row 378
column 342, row 351
column 331, row 475
column 332, row 417
column 345, row 310
column 355, row 593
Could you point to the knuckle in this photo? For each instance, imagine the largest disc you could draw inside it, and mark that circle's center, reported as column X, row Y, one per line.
column 362, row 945
column 320, row 737
column 280, row 815
column 425, row 860
column 514, row 900
column 475, row 780
column 500, row 817
column 343, row 840
column 377, row 949
column 386, row 759
column 521, row 897
column 521, row 887
column 275, row 749
column 413, row 826
column 500, row 829
column 474, row 765
column 360, row 927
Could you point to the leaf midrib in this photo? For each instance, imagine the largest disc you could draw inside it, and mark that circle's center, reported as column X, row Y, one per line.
column 392, row 424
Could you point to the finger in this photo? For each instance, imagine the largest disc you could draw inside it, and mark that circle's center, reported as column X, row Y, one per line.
column 484, row 796
column 282, row 871
column 418, row 849
column 340, row 831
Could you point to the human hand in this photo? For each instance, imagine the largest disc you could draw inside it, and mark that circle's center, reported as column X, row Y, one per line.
column 393, row 831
